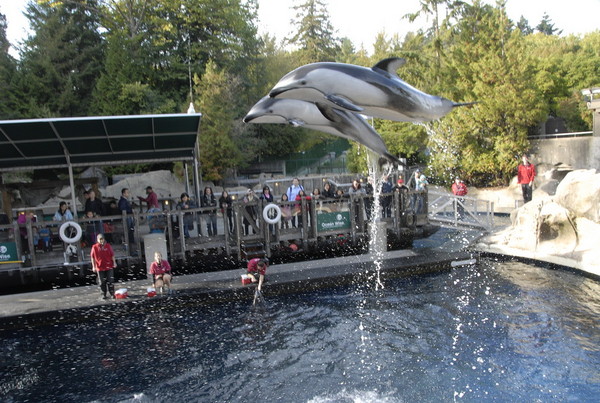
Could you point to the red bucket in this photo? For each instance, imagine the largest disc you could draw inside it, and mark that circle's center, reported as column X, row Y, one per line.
column 121, row 293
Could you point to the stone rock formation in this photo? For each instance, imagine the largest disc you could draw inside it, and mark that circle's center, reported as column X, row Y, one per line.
column 564, row 226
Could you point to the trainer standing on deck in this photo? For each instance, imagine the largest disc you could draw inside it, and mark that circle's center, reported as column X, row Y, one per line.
column 257, row 268
column 525, row 176
column 103, row 264
column 151, row 199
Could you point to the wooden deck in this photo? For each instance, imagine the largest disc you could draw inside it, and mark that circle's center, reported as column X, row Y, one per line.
column 253, row 236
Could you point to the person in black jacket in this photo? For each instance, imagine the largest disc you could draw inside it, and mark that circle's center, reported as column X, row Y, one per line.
column 328, row 191
column 226, row 205
column 208, row 200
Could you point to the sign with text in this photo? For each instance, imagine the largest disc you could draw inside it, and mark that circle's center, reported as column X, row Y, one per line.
column 333, row 221
column 8, row 253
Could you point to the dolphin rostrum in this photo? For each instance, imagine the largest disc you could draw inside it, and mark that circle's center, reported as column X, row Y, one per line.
column 376, row 91
column 318, row 116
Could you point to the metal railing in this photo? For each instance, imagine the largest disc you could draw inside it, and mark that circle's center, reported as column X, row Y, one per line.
column 463, row 211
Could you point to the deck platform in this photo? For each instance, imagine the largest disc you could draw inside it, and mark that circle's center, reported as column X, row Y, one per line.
column 83, row 303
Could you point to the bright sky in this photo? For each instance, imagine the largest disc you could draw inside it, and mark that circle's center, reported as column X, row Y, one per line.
column 362, row 20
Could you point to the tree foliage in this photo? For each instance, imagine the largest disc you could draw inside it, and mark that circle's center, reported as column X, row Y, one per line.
column 217, row 91
column 89, row 57
column 61, row 60
column 314, row 36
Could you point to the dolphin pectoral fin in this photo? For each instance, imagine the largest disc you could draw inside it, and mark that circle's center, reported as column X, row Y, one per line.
column 296, row 122
column 343, row 103
column 328, row 112
column 389, row 66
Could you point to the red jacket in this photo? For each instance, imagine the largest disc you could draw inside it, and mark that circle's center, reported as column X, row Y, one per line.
column 459, row 189
column 102, row 255
column 162, row 268
column 526, row 174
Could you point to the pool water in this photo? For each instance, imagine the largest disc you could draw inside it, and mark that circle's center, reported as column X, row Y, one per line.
column 493, row 331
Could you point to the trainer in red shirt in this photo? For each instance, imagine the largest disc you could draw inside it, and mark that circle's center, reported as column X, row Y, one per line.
column 152, row 198
column 525, row 176
column 161, row 271
column 103, row 263
column 258, row 267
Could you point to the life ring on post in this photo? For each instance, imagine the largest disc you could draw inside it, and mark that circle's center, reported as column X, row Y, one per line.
column 277, row 217
column 63, row 234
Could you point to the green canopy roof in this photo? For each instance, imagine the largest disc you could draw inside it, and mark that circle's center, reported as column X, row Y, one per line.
column 100, row 140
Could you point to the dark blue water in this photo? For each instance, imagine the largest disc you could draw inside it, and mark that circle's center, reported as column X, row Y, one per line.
column 494, row 332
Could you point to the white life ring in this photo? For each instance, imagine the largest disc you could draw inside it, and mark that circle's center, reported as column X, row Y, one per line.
column 277, row 217
column 63, row 234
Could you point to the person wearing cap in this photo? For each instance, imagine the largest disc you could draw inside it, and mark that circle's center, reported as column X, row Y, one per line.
column 459, row 189
column 420, row 187
column 257, row 267
column 525, row 177
column 103, row 264
column 401, row 200
column 151, row 199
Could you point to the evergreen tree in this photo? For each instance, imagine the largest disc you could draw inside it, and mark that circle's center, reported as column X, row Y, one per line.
column 491, row 65
column 523, row 26
column 8, row 69
column 62, row 60
column 314, row 36
column 217, row 91
column 546, row 26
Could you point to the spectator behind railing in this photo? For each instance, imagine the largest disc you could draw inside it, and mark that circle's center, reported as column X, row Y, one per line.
column 185, row 203
column 208, row 200
column 286, row 212
column 63, row 213
column 226, row 203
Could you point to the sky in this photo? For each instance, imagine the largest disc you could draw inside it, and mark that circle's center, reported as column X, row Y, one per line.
column 361, row 21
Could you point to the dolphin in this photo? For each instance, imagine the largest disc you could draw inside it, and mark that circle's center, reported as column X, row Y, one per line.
column 321, row 117
column 376, row 91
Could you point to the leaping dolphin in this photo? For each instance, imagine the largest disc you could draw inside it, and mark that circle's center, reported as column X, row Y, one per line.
column 321, row 117
column 376, row 91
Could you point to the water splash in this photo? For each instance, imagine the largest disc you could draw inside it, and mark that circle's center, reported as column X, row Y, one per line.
column 377, row 228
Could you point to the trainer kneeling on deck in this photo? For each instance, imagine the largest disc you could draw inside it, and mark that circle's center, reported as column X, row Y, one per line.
column 103, row 264
column 257, row 268
column 160, row 270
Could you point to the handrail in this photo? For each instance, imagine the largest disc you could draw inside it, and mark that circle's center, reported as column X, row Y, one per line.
column 463, row 211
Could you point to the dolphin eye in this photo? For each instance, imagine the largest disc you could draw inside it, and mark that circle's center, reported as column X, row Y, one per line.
column 270, row 110
column 303, row 82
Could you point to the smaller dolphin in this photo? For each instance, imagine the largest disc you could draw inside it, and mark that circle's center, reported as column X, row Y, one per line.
column 376, row 91
column 321, row 117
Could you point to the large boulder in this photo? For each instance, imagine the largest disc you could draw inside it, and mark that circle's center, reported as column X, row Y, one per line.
column 164, row 183
column 579, row 191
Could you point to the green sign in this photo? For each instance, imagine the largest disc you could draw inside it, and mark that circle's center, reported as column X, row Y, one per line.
column 8, row 253
column 333, row 221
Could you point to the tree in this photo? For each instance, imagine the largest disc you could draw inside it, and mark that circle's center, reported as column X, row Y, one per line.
column 8, row 69
column 523, row 26
column 62, row 60
column 490, row 63
column 217, row 91
column 314, row 35
column 546, row 26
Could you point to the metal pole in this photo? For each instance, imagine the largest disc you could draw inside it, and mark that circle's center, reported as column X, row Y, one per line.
column 72, row 183
column 197, row 177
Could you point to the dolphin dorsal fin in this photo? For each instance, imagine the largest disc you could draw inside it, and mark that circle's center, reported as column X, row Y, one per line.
column 389, row 66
